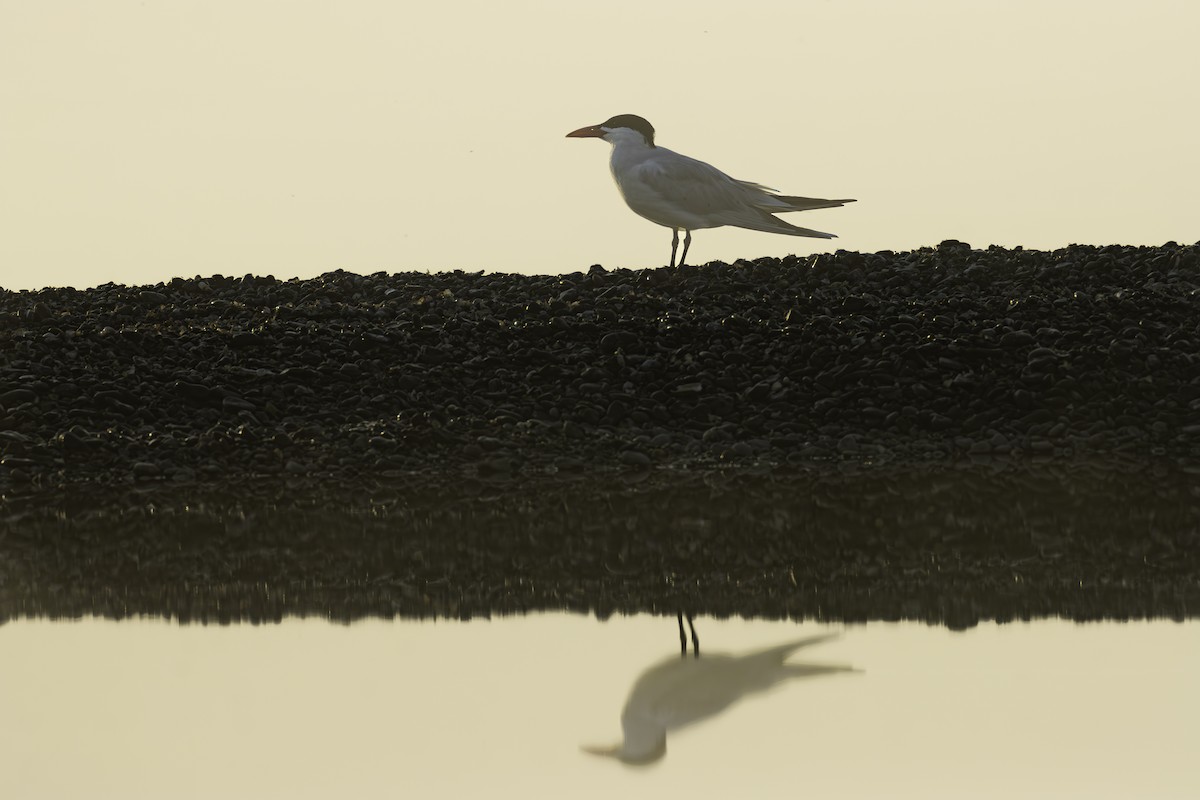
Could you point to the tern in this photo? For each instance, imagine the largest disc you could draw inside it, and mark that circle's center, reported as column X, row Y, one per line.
column 679, row 692
column 684, row 194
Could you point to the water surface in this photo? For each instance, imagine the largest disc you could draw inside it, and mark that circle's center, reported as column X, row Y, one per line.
column 308, row 708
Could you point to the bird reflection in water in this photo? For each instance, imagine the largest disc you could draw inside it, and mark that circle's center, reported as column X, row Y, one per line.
column 679, row 692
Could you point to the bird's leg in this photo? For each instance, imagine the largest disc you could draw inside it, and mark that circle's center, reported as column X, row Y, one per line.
column 674, row 245
column 695, row 639
column 687, row 242
column 682, row 636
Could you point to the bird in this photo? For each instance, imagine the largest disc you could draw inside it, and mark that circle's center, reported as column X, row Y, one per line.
column 679, row 692
column 685, row 194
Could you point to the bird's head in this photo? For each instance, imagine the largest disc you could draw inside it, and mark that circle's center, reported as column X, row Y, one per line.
column 621, row 128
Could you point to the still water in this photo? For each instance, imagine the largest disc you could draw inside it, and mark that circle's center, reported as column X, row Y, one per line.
column 502, row 708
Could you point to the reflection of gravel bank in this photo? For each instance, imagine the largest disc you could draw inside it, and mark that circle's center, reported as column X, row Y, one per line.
column 934, row 354
column 946, row 544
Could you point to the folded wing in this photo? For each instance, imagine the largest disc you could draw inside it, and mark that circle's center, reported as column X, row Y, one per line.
column 701, row 196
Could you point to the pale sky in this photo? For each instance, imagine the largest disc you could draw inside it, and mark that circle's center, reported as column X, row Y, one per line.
column 308, row 709
column 142, row 141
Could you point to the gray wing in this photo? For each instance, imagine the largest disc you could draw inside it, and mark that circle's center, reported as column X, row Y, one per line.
column 699, row 187
column 705, row 191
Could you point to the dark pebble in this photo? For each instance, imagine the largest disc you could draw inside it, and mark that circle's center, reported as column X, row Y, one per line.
column 16, row 462
column 15, row 397
column 634, row 458
column 237, row 404
column 740, row 450
column 1017, row 338
column 618, row 340
column 146, row 469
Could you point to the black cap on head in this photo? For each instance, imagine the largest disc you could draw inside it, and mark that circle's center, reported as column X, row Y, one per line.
column 634, row 122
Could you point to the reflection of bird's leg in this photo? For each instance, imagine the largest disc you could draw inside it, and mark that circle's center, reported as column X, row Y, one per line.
column 674, row 246
column 683, row 636
column 687, row 242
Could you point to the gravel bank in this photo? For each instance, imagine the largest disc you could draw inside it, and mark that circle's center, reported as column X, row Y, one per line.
column 932, row 355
